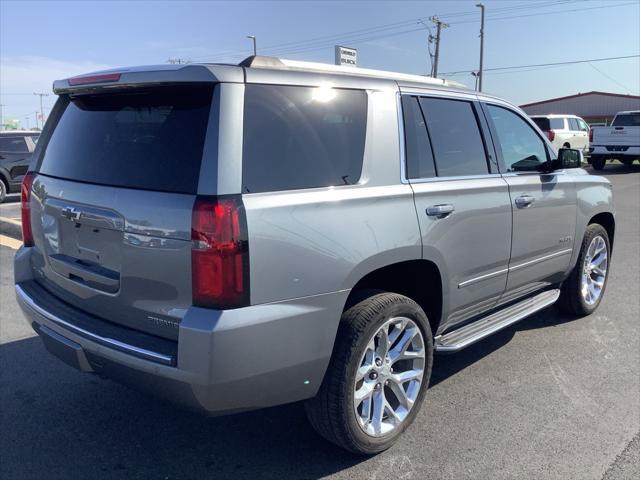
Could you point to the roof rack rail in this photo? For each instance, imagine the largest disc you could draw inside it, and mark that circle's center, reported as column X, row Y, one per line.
column 259, row 61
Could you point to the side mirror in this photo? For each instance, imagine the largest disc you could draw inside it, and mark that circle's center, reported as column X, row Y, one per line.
column 569, row 158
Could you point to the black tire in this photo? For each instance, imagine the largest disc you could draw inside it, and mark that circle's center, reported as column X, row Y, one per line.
column 627, row 161
column 598, row 162
column 571, row 300
column 566, row 145
column 331, row 412
column 3, row 191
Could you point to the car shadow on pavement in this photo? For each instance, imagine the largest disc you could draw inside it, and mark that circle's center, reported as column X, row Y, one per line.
column 615, row 169
column 57, row 422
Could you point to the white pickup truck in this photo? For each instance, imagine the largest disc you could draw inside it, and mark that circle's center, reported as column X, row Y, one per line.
column 620, row 141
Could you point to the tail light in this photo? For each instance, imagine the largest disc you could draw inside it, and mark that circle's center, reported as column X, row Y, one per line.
column 551, row 134
column 590, row 135
column 220, row 253
column 25, row 197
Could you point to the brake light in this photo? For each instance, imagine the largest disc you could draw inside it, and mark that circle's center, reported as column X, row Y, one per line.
column 590, row 135
column 25, row 209
column 220, row 253
column 551, row 134
column 99, row 78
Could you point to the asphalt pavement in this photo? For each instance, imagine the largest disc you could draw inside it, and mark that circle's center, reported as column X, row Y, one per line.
column 552, row 397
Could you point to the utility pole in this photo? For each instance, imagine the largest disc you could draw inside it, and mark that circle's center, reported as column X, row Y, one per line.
column 255, row 49
column 439, row 26
column 481, row 6
column 41, row 109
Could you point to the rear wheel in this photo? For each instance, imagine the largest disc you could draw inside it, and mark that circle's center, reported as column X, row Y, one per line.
column 378, row 374
column 582, row 292
column 3, row 191
column 627, row 161
column 598, row 163
column 566, row 145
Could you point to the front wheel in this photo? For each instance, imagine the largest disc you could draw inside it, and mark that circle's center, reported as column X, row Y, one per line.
column 598, row 163
column 582, row 292
column 377, row 377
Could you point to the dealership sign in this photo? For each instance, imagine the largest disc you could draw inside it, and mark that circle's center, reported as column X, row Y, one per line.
column 346, row 56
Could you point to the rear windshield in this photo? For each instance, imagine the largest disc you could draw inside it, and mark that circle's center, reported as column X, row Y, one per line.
column 546, row 124
column 151, row 139
column 627, row 120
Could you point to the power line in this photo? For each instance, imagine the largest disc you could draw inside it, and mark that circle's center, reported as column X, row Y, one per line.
column 547, row 13
column 610, row 78
column 544, row 64
column 354, row 36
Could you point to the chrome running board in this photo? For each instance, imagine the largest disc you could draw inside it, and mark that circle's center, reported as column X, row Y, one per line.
column 464, row 336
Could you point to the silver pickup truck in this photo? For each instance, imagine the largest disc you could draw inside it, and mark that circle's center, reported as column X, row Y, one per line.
column 620, row 141
column 237, row 237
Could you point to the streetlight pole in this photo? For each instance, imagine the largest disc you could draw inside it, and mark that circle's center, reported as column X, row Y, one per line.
column 255, row 50
column 481, row 6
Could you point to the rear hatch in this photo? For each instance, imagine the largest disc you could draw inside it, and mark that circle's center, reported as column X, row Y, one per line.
column 111, row 204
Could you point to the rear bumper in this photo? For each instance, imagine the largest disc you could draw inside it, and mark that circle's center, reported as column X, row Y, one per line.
column 615, row 151
column 225, row 361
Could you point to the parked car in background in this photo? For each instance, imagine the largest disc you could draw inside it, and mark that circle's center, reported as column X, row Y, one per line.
column 238, row 237
column 16, row 147
column 564, row 131
column 619, row 141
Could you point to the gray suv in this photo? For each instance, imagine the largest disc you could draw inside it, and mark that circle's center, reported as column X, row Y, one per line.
column 234, row 237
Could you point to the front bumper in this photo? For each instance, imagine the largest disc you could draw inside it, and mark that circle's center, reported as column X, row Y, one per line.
column 224, row 361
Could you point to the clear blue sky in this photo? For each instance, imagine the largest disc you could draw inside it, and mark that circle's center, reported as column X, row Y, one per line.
column 41, row 41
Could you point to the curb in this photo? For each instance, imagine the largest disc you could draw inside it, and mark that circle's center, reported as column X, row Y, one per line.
column 10, row 228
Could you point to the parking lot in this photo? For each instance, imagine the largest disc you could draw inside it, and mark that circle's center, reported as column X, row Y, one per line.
column 551, row 397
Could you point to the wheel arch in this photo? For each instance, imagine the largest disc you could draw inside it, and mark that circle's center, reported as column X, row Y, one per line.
column 420, row 279
column 608, row 222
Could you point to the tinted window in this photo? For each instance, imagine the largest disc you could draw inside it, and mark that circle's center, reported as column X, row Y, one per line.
column 13, row 145
column 573, row 124
column 455, row 137
column 522, row 149
column 557, row 123
column 627, row 120
column 542, row 123
column 150, row 139
column 302, row 137
column 417, row 148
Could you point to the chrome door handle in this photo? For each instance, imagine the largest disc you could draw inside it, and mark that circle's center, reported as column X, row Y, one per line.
column 441, row 210
column 524, row 201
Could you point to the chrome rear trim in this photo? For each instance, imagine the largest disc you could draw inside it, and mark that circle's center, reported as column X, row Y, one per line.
column 108, row 342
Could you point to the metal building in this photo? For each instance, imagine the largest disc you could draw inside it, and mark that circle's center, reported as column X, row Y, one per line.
column 597, row 108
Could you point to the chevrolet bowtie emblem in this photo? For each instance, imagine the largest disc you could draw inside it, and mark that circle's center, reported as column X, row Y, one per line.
column 71, row 213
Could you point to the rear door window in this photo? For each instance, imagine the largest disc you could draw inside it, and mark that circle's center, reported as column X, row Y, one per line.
column 148, row 139
column 455, row 137
column 302, row 137
column 556, row 123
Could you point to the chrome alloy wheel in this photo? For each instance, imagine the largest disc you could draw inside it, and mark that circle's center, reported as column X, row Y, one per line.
column 389, row 376
column 594, row 270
